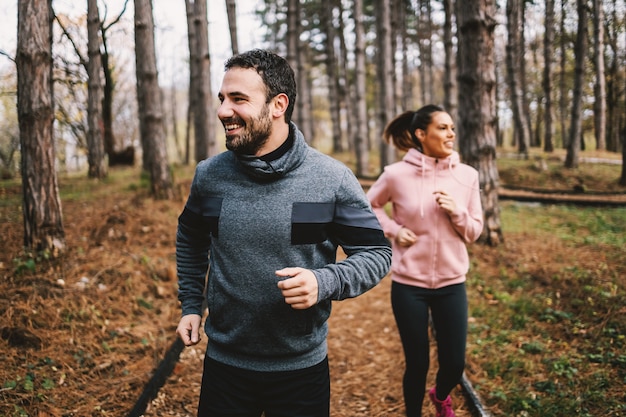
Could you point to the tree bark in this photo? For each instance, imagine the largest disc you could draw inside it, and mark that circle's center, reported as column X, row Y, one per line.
column 425, row 34
column 331, row 72
column 515, row 57
column 580, row 52
column 43, row 220
column 150, row 105
column 231, row 12
column 385, row 62
column 615, row 80
column 449, row 84
column 548, row 51
column 599, row 105
column 200, row 80
column 297, row 58
column 127, row 155
column 562, row 77
column 95, row 139
column 477, row 105
column 360, row 132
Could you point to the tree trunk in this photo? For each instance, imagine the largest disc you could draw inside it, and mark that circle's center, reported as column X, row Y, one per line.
column 385, row 62
column 449, row 84
column 562, row 79
column 150, row 105
column 231, row 11
column 200, row 86
column 296, row 56
column 407, row 99
column 615, row 79
column 331, row 72
column 360, row 132
column 193, row 77
column 580, row 52
column 95, row 139
column 599, row 106
column 346, row 102
column 548, row 51
column 126, row 156
column 43, row 220
column 477, row 105
column 306, row 96
column 622, row 179
column 425, row 34
column 515, row 57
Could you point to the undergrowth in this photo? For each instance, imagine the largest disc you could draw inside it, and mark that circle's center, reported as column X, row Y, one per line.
column 548, row 326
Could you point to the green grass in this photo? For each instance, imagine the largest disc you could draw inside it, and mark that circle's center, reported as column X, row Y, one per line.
column 549, row 328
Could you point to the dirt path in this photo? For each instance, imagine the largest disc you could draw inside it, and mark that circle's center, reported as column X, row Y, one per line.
column 366, row 364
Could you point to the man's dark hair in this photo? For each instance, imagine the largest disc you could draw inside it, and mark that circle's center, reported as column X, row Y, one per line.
column 275, row 71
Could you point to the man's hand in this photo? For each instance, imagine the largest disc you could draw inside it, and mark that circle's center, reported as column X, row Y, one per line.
column 300, row 289
column 189, row 329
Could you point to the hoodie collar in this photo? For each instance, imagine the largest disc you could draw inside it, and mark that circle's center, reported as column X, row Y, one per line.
column 279, row 162
column 426, row 163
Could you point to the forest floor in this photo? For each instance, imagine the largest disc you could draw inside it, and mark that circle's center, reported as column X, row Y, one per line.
column 83, row 335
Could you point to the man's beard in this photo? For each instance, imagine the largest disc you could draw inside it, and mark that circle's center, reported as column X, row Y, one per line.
column 255, row 134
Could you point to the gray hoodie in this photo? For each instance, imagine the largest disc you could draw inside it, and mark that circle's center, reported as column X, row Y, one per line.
column 247, row 217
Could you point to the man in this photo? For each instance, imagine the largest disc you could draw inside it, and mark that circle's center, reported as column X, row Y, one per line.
column 265, row 218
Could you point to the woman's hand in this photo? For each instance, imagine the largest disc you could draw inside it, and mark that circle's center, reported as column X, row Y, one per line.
column 405, row 237
column 445, row 201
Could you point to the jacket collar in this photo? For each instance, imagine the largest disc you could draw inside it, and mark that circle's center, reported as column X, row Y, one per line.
column 279, row 162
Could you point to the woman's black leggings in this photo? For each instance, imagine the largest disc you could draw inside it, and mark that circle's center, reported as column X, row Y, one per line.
column 448, row 308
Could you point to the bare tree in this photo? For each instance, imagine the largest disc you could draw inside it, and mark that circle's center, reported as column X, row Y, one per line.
column 563, row 90
column 580, row 52
column 125, row 156
column 346, row 103
column 424, row 34
column 231, row 11
column 548, row 51
column 332, row 73
column 297, row 56
column 449, row 82
column 95, row 139
column 515, row 57
column 599, row 106
column 385, row 61
column 201, row 96
column 616, row 76
column 477, row 105
column 622, row 178
column 43, row 220
column 360, row 132
column 150, row 106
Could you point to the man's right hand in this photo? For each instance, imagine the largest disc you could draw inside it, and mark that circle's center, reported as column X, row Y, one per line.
column 189, row 329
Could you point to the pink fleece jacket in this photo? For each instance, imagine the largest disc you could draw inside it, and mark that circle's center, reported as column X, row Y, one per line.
column 439, row 256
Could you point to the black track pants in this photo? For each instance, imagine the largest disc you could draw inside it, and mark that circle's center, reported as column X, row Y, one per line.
column 448, row 308
column 233, row 392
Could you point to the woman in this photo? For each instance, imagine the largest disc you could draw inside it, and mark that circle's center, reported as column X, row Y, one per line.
column 435, row 212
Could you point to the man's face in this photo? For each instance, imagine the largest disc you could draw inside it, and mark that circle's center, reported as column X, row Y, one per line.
column 243, row 111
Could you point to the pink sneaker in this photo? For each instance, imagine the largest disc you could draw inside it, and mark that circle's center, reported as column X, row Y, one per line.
column 444, row 408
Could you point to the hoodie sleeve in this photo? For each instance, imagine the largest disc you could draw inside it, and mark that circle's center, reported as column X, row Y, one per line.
column 379, row 195
column 193, row 239
column 468, row 220
column 357, row 230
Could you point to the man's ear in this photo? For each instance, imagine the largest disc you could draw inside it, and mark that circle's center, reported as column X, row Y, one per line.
column 280, row 104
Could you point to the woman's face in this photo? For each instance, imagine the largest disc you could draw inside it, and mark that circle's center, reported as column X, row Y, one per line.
column 438, row 138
